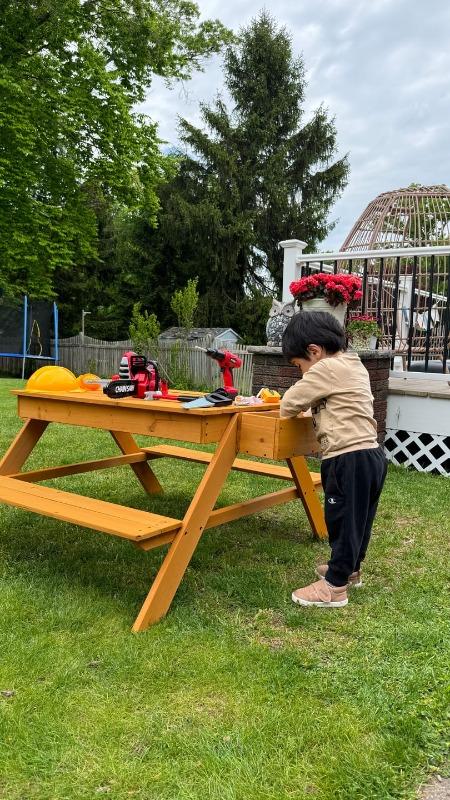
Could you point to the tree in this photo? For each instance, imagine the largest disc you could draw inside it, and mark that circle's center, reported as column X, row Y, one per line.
column 254, row 176
column 184, row 304
column 112, row 282
column 144, row 330
column 71, row 72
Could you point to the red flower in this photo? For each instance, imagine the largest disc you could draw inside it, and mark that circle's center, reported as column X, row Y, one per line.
column 335, row 289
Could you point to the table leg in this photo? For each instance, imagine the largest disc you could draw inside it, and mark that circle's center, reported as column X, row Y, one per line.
column 308, row 495
column 143, row 472
column 21, row 447
column 171, row 572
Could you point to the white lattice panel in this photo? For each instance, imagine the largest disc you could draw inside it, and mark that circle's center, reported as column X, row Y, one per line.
column 424, row 452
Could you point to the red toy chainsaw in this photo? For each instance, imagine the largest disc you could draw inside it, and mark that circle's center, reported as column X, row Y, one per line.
column 137, row 375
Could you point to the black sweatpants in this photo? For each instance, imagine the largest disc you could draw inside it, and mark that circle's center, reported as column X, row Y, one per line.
column 352, row 483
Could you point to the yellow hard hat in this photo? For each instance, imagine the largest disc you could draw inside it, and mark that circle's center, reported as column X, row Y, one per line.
column 51, row 379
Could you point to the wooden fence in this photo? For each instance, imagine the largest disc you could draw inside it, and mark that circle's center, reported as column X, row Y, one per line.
column 180, row 361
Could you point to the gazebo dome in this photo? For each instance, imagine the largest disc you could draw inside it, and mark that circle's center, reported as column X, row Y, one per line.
column 418, row 216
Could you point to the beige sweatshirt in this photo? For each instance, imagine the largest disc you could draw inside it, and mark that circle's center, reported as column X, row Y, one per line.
column 337, row 390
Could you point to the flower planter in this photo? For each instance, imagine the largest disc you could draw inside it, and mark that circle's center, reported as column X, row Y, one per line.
column 320, row 304
column 325, row 292
column 363, row 331
column 364, row 342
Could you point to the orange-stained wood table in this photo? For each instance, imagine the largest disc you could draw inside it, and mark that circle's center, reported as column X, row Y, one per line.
column 256, row 431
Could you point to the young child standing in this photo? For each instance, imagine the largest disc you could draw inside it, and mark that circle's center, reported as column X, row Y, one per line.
column 336, row 387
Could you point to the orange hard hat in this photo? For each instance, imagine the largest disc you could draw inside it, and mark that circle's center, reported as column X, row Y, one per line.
column 51, row 379
column 89, row 382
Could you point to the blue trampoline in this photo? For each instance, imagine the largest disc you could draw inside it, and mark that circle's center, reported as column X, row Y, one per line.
column 27, row 329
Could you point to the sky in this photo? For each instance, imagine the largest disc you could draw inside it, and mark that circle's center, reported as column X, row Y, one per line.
column 380, row 67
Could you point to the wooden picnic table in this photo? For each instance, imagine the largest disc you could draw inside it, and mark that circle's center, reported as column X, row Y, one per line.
column 249, row 430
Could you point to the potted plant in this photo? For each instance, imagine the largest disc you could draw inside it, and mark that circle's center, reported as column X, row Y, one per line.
column 324, row 292
column 363, row 332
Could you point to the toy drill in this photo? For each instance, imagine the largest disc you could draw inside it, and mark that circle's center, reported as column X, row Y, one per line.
column 227, row 362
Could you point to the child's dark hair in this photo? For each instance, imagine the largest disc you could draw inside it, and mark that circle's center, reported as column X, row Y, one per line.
column 317, row 327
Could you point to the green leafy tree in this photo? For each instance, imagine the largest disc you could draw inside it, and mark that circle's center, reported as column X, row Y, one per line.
column 184, row 304
column 144, row 331
column 71, row 73
column 254, row 175
column 111, row 283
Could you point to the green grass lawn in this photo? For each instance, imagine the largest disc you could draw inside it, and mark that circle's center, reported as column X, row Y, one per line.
column 237, row 694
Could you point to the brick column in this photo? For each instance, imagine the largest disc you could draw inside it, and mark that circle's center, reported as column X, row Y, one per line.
column 271, row 369
column 378, row 364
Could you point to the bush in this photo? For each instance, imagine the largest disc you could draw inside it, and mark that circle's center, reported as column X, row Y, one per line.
column 144, row 331
column 184, row 304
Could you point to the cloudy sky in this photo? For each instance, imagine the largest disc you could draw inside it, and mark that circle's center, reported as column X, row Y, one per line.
column 381, row 67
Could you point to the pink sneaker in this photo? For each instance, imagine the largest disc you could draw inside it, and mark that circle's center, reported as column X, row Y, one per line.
column 354, row 581
column 321, row 594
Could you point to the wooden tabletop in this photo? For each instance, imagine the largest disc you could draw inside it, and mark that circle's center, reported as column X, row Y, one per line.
column 174, row 406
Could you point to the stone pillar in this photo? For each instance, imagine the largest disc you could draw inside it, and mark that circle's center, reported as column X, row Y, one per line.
column 271, row 369
column 292, row 249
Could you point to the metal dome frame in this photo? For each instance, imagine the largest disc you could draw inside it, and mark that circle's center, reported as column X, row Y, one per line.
column 413, row 289
column 418, row 216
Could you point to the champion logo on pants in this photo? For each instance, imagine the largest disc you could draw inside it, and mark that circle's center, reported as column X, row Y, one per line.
column 332, row 501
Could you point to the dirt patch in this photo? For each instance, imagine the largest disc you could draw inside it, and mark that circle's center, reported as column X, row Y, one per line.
column 403, row 522
column 437, row 790
column 271, row 643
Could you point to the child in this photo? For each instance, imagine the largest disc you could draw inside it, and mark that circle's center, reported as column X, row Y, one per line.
column 335, row 386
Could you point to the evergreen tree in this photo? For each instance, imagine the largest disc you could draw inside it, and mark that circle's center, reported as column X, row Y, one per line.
column 254, row 175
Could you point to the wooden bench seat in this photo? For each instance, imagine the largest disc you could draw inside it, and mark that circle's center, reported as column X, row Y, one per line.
column 129, row 523
column 239, row 464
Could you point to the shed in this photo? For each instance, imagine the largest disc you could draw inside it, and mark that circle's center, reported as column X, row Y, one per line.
column 217, row 337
